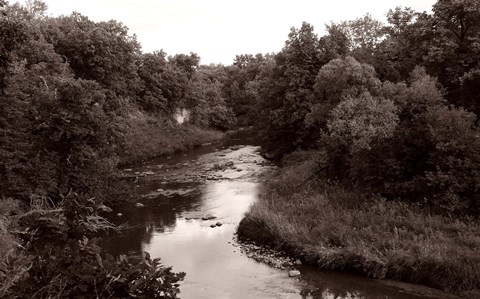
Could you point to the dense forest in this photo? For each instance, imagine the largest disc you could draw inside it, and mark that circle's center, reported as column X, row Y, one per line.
column 375, row 125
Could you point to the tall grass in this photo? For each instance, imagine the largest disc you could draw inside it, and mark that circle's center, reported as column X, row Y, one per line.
column 336, row 229
column 148, row 137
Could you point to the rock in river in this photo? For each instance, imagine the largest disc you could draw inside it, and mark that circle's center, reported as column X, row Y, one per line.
column 293, row 273
column 139, row 205
column 208, row 217
column 219, row 224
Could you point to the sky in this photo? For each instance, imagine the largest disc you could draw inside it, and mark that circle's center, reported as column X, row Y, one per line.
column 217, row 30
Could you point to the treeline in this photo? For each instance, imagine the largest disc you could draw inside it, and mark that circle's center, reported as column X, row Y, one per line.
column 389, row 109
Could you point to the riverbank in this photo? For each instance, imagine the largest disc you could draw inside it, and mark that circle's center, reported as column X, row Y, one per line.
column 147, row 137
column 334, row 229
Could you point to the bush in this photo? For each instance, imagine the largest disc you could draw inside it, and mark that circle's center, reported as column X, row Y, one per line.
column 60, row 255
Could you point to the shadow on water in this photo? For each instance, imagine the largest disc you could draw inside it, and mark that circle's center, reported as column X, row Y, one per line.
column 221, row 181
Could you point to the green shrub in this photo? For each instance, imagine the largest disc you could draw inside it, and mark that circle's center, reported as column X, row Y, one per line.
column 60, row 255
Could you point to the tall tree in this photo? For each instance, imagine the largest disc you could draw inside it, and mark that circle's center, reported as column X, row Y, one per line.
column 288, row 95
column 454, row 52
column 363, row 34
column 103, row 51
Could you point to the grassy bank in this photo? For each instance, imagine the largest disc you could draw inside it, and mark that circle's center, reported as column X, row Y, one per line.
column 338, row 230
column 148, row 137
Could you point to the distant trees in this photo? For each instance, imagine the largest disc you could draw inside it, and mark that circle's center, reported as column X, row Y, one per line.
column 206, row 101
column 237, row 86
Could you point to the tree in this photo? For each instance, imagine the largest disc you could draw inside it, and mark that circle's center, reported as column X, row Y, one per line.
column 102, row 52
column 187, row 63
column 12, row 32
column 404, row 45
column 57, row 133
column 454, row 53
column 237, row 86
column 363, row 35
column 164, row 85
column 454, row 182
column 335, row 44
column 205, row 100
column 286, row 96
column 362, row 121
column 336, row 80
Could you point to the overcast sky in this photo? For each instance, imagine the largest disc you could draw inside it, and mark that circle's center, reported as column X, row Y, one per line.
column 217, row 30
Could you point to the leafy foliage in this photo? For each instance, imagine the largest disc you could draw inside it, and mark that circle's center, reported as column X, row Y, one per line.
column 363, row 120
column 287, row 92
column 60, row 257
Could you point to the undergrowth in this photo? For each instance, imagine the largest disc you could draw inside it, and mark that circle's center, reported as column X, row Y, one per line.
column 51, row 252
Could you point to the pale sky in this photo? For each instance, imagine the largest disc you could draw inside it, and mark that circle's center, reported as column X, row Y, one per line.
column 217, row 30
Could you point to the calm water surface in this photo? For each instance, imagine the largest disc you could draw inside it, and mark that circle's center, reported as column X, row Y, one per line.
column 178, row 191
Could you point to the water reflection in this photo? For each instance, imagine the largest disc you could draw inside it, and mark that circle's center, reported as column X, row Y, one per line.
column 171, row 227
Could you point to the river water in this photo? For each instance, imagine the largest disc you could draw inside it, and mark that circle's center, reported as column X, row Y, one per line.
column 222, row 181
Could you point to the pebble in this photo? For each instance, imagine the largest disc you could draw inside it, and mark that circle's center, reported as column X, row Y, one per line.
column 218, row 224
column 119, row 214
column 293, row 273
column 139, row 205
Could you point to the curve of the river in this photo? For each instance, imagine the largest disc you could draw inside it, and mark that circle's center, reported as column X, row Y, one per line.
column 222, row 181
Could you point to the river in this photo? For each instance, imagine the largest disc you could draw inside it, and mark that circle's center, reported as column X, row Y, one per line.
column 222, row 180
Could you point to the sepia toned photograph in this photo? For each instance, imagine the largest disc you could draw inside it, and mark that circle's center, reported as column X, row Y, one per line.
column 240, row 149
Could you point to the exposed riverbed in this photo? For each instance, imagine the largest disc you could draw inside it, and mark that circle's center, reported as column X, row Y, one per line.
column 218, row 183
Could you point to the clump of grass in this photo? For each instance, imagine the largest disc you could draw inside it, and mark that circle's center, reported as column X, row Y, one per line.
column 148, row 137
column 336, row 229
